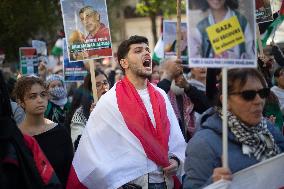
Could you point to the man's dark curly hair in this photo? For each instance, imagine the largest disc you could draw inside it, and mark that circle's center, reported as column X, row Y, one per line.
column 124, row 47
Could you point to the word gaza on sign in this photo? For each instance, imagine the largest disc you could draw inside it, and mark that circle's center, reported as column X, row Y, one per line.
column 225, row 34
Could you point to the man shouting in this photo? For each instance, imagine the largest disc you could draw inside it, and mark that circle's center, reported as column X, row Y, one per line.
column 132, row 135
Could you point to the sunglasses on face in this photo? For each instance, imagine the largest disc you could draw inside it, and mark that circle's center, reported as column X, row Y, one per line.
column 249, row 95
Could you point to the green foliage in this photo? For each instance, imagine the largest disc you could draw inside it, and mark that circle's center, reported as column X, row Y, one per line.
column 23, row 20
column 157, row 7
column 115, row 12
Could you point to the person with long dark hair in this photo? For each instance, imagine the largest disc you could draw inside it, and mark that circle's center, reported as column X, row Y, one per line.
column 82, row 112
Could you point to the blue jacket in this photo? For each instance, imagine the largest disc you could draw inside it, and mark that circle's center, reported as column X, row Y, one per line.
column 204, row 151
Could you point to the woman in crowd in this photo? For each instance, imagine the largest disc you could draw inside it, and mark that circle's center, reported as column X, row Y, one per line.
column 32, row 95
column 82, row 113
column 58, row 104
column 21, row 160
column 247, row 91
column 220, row 10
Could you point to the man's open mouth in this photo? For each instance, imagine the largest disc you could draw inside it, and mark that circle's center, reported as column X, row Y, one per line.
column 147, row 63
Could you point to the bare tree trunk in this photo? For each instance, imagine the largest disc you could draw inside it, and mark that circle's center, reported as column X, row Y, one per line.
column 154, row 27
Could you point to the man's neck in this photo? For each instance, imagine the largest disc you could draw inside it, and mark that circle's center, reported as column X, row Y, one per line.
column 138, row 82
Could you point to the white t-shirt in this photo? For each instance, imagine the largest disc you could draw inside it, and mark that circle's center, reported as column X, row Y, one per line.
column 155, row 176
column 146, row 100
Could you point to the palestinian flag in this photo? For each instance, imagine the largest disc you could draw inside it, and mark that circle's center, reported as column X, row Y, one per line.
column 57, row 50
column 158, row 54
column 274, row 25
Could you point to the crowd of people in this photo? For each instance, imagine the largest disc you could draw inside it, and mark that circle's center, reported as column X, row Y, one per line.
column 155, row 125
column 149, row 129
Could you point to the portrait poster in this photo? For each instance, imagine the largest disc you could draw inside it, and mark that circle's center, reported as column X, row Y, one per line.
column 73, row 71
column 169, row 38
column 28, row 60
column 221, row 33
column 86, row 29
column 41, row 50
column 263, row 11
column 40, row 47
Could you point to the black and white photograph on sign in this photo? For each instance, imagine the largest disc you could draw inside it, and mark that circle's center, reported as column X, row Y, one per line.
column 169, row 37
column 221, row 33
column 87, row 29
column 263, row 11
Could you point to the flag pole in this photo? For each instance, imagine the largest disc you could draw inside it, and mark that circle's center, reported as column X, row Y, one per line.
column 178, row 51
column 93, row 80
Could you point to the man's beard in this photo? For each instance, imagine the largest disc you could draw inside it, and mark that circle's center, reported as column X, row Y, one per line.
column 176, row 90
column 141, row 73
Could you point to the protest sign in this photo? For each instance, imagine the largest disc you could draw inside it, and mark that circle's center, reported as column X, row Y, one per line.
column 263, row 11
column 41, row 50
column 87, row 29
column 225, row 35
column 266, row 174
column 169, row 38
column 221, row 36
column 220, row 184
column 40, row 47
column 28, row 60
column 73, row 71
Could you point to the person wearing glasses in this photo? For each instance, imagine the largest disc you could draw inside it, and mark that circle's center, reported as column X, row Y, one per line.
column 82, row 113
column 95, row 32
column 247, row 92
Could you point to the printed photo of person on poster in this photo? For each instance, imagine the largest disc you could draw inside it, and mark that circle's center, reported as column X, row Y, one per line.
column 223, row 32
column 88, row 38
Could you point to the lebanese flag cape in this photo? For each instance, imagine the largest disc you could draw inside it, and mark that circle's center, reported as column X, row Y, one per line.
column 120, row 143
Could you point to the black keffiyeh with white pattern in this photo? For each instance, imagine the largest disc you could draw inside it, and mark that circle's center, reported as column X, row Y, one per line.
column 258, row 138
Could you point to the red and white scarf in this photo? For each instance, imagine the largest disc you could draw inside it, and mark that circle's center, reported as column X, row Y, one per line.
column 154, row 140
